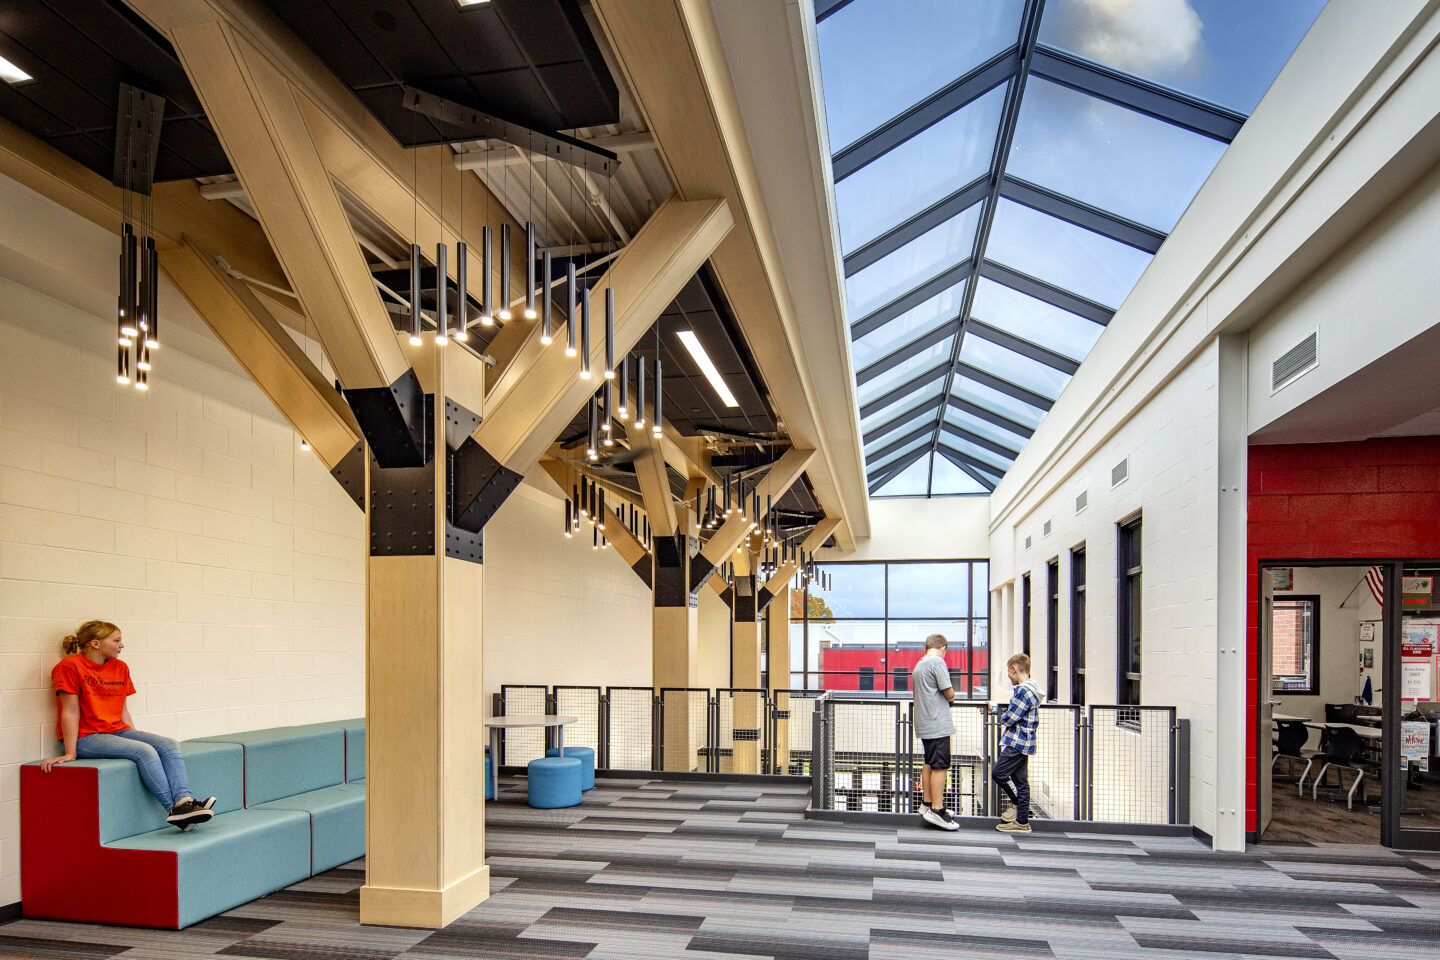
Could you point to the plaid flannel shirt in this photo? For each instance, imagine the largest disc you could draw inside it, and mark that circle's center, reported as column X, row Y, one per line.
column 1020, row 719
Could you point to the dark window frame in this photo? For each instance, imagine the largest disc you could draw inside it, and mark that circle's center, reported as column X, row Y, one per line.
column 1077, row 625
column 1025, row 601
column 971, row 683
column 1129, row 590
column 1052, row 630
column 1314, row 601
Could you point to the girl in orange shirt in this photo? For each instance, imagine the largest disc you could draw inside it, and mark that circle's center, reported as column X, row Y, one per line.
column 92, row 684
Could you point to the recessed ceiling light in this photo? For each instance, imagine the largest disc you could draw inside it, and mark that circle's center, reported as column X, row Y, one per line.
column 707, row 366
column 471, row 3
column 11, row 73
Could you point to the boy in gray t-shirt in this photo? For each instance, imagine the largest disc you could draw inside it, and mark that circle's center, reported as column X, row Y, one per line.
column 933, row 694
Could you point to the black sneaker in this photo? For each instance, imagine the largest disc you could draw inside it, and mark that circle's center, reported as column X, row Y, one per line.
column 945, row 815
column 188, row 813
column 206, row 804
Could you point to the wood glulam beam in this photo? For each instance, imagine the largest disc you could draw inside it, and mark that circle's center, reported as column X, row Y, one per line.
column 268, row 354
column 654, row 481
column 674, row 62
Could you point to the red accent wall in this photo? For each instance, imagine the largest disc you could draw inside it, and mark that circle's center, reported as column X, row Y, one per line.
column 1375, row 499
column 850, row 658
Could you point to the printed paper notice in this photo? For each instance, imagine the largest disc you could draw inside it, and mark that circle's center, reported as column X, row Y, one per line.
column 1415, row 744
column 1415, row 680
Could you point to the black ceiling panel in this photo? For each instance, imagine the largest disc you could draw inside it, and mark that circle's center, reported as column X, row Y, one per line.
column 79, row 52
column 532, row 62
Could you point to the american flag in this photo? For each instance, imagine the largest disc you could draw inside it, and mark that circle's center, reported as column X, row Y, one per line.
column 1375, row 580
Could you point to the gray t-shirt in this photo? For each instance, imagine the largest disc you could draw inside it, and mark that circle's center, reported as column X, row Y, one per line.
column 932, row 710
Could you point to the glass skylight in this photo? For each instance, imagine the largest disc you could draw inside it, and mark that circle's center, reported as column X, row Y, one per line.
column 992, row 266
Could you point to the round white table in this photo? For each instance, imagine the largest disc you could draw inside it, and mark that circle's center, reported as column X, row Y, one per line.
column 496, row 724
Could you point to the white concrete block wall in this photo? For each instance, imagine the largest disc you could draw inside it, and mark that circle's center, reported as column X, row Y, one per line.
column 1170, row 443
column 232, row 562
column 557, row 611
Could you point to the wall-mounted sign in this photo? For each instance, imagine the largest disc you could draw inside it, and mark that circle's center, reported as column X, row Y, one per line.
column 1282, row 578
column 1415, row 680
column 1417, row 639
column 1416, row 592
column 1415, row 744
column 1367, row 633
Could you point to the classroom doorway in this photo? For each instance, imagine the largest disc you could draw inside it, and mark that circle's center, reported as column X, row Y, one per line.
column 1347, row 696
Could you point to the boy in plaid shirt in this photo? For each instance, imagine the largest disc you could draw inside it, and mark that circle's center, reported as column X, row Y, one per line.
column 1017, row 746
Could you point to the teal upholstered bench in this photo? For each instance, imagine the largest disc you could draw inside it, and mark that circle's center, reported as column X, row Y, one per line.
column 303, row 769
column 291, row 803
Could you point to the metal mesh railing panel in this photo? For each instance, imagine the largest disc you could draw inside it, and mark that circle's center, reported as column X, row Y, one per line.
column 630, row 729
column 1053, row 770
column 742, row 730
column 584, row 704
column 685, row 730
column 969, row 763
column 867, row 772
column 520, row 745
column 793, row 728
column 1130, row 767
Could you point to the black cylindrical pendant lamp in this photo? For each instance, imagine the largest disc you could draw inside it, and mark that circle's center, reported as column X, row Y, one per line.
column 639, row 392
column 659, row 397
column 504, row 312
column 623, row 410
column 462, row 306
column 152, row 296
column 609, row 333
column 487, row 285
column 442, row 295
column 415, row 294
column 585, row 334
column 546, row 332
column 530, row 270
column 571, row 315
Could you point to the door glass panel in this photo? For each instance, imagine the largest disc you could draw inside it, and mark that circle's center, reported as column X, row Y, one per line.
column 886, row 192
column 1419, row 646
column 1064, row 255
column 863, row 44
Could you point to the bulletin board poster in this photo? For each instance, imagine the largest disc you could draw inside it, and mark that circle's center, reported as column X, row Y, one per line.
column 1282, row 578
column 1415, row 744
column 1416, row 679
column 1416, row 592
column 1418, row 639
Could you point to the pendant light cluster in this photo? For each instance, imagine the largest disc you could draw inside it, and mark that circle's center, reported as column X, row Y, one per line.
column 586, row 504
column 137, row 317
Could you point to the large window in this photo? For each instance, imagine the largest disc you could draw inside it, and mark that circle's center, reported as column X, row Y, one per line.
column 1127, row 688
column 1295, row 644
column 1052, row 631
column 1025, row 614
column 868, row 630
column 1077, row 625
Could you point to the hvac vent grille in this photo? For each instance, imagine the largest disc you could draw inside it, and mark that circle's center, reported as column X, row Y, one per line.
column 1027, row 543
column 1046, row 529
column 1082, row 501
column 1119, row 472
column 1294, row 363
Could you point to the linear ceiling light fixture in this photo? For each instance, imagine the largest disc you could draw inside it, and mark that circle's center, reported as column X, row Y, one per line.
column 707, row 366
column 11, row 73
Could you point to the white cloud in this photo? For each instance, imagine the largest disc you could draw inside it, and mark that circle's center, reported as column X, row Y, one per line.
column 1160, row 39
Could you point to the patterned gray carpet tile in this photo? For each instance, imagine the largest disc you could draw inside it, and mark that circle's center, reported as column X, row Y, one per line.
column 692, row 870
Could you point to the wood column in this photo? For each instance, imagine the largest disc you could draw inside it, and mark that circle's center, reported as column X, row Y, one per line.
column 424, row 693
column 777, row 659
column 748, row 713
column 676, row 639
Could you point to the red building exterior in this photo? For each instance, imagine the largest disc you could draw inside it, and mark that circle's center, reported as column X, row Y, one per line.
column 845, row 667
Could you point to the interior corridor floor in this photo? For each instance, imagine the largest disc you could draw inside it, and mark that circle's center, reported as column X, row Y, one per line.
column 709, row 871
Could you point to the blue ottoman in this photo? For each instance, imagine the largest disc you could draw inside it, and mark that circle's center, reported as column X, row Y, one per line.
column 586, row 756
column 554, row 782
column 489, row 777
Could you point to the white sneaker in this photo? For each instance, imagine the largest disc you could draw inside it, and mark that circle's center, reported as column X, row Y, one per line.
column 936, row 819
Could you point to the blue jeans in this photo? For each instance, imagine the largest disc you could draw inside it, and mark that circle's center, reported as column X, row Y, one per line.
column 162, row 769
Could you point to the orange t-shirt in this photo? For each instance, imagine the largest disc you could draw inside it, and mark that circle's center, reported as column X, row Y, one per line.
column 102, row 690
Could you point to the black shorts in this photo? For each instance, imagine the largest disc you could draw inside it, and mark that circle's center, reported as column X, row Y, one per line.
column 937, row 753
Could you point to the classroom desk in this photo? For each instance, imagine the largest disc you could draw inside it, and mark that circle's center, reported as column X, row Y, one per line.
column 496, row 724
column 1366, row 733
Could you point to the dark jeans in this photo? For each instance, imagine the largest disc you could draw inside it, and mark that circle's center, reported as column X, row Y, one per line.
column 1014, row 767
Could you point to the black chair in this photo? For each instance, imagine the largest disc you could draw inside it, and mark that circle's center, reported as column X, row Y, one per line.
column 1290, row 744
column 1342, row 747
column 1341, row 713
